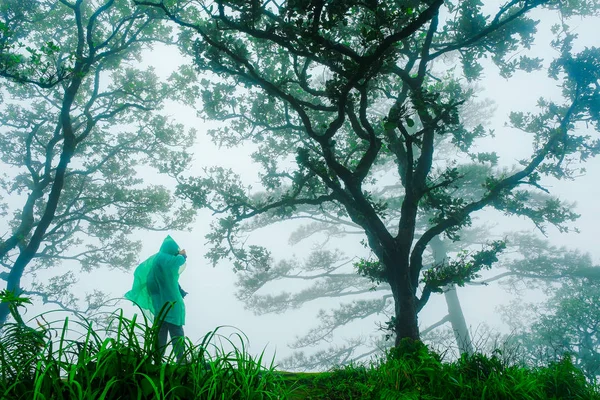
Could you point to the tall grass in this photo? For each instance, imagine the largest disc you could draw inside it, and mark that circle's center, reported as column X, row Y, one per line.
column 412, row 371
column 122, row 362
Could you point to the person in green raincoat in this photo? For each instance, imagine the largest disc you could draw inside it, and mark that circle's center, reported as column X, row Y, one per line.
column 156, row 284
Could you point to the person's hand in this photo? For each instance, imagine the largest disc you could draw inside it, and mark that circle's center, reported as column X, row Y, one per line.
column 182, row 252
column 182, row 292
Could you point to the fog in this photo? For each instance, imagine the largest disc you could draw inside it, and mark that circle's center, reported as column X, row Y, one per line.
column 212, row 301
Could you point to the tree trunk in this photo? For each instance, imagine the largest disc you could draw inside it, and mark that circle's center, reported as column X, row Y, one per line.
column 27, row 222
column 13, row 282
column 457, row 318
column 406, row 323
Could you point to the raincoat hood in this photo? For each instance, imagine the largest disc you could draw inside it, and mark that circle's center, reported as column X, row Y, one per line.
column 169, row 246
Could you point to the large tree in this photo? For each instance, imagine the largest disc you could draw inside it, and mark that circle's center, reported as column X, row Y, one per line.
column 325, row 274
column 300, row 79
column 80, row 118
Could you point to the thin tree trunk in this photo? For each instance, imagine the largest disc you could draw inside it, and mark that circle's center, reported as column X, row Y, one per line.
column 13, row 282
column 24, row 228
column 457, row 318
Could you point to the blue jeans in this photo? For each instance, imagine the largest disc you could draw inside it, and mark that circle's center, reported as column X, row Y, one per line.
column 177, row 338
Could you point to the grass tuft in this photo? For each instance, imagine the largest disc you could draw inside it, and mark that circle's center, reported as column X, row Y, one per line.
column 122, row 362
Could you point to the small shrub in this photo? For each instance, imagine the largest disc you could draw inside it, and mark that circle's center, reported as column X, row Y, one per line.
column 562, row 380
column 479, row 366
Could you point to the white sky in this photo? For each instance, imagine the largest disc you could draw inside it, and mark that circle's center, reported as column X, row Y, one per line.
column 211, row 301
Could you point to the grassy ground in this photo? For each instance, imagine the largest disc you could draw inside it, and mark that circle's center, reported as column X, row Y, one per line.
column 421, row 375
column 122, row 363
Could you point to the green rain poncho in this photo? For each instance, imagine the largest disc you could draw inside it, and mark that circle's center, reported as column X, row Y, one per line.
column 156, row 282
